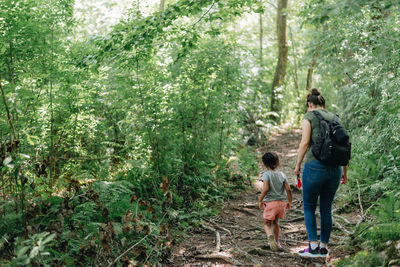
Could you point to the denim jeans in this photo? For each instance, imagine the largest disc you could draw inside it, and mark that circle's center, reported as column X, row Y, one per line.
column 321, row 181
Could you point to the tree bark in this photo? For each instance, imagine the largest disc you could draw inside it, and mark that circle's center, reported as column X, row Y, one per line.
column 280, row 70
column 310, row 72
column 162, row 5
column 295, row 76
column 10, row 122
column 261, row 39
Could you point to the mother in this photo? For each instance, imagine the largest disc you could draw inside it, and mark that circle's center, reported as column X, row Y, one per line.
column 319, row 180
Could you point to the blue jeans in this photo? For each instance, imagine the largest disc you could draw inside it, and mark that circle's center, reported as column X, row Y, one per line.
column 321, row 181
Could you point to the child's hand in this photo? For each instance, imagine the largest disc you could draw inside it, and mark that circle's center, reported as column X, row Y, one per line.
column 261, row 205
column 288, row 206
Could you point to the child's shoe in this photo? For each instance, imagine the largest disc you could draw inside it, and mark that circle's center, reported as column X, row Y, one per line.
column 272, row 243
column 309, row 252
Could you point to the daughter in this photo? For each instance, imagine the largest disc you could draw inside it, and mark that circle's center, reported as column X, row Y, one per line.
column 275, row 191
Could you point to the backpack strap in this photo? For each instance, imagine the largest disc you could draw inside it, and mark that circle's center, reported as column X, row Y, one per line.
column 318, row 115
column 336, row 118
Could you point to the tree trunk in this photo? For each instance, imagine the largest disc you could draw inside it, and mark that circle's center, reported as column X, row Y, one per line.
column 295, row 76
column 261, row 70
column 261, row 39
column 310, row 72
column 280, row 70
column 162, row 5
column 13, row 133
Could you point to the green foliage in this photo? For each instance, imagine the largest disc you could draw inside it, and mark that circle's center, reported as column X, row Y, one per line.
column 364, row 258
column 33, row 250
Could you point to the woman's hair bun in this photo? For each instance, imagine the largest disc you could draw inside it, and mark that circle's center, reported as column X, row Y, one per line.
column 315, row 91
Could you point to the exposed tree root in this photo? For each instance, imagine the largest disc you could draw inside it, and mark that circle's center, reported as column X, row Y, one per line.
column 245, row 211
column 219, row 256
column 220, row 227
column 217, row 237
column 297, row 219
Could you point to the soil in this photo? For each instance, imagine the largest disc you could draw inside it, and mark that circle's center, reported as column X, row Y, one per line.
column 239, row 225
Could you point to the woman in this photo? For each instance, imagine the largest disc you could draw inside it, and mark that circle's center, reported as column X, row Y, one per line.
column 319, row 180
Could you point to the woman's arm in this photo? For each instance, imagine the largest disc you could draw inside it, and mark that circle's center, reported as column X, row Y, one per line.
column 305, row 141
column 263, row 193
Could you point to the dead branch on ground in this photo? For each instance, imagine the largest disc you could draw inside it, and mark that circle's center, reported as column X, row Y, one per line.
column 359, row 198
column 342, row 218
column 341, row 227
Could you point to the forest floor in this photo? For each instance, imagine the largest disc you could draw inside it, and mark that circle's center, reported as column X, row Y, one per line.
column 235, row 237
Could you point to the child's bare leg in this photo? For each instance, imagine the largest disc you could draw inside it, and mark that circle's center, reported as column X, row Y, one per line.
column 276, row 229
column 268, row 227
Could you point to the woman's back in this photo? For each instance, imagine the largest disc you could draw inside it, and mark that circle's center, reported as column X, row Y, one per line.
column 314, row 121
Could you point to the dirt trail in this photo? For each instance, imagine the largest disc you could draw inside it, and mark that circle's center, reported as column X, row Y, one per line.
column 236, row 237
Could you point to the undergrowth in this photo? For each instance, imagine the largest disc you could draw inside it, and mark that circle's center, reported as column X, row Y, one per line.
column 125, row 221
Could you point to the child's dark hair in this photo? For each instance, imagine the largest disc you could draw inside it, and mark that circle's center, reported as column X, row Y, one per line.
column 316, row 98
column 270, row 160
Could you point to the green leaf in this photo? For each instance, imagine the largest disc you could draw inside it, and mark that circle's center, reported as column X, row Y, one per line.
column 49, row 238
column 7, row 161
column 22, row 251
column 34, row 252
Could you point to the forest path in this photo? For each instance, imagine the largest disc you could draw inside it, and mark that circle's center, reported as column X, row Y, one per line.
column 236, row 236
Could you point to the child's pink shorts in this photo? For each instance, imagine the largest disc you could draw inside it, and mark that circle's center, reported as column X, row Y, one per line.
column 274, row 210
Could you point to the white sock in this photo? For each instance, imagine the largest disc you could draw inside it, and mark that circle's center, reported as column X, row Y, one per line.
column 323, row 245
column 313, row 244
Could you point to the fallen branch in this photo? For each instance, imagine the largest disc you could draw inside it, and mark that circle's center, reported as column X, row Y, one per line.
column 363, row 217
column 342, row 218
column 359, row 198
column 341, row 227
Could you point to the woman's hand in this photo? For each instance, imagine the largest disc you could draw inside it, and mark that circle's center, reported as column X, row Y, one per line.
column 344, row 175
column 344, row 178
column 261, row 205
column 297, row 170
column 288, row 206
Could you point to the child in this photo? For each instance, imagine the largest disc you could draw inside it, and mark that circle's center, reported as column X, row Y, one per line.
column 275, row 190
